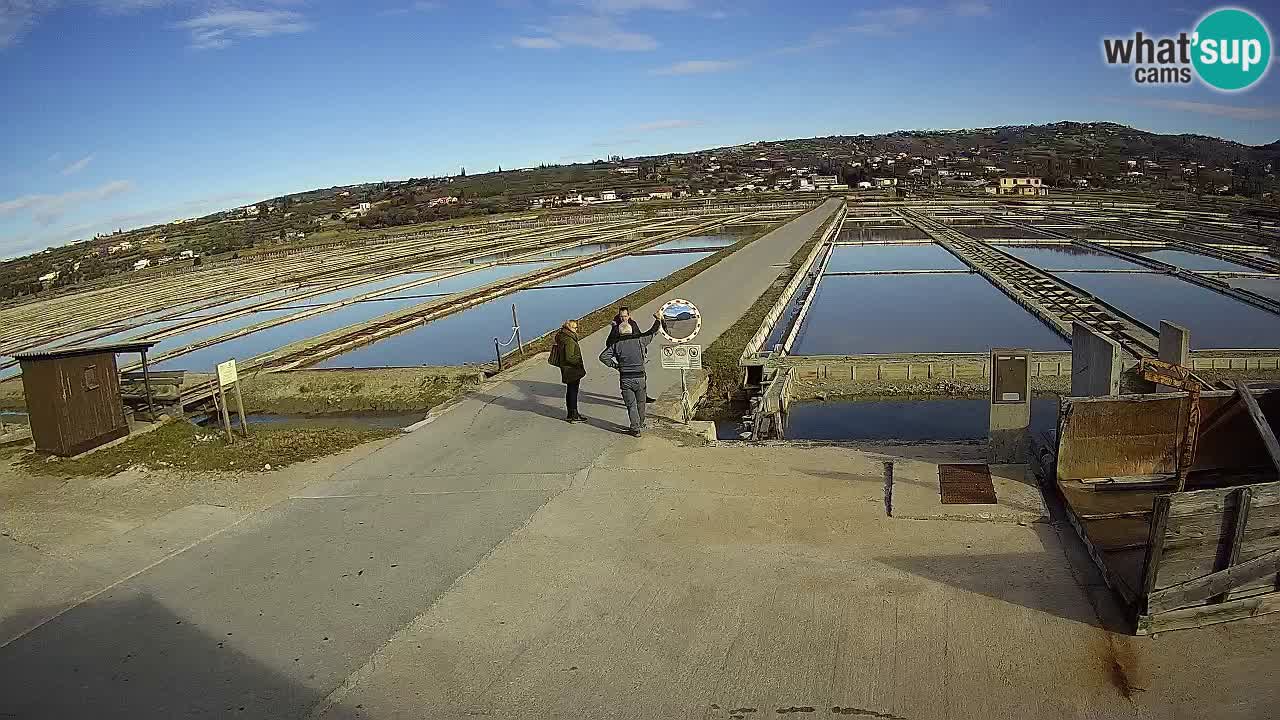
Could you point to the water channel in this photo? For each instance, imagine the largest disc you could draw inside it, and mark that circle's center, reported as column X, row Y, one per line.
column 917, row 313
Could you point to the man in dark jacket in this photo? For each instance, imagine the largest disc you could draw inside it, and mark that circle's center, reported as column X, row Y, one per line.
column 622, row 318
column 566, row 355
column 627, row 355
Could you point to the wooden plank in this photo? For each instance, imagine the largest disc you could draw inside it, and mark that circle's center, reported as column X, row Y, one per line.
column 1239, row 521
column 1092, row 505
column 1109, row 575
column 1260, row 422
column 1197, row 502
column 1181, row 563
column 1125, row 533
column 1225, row 412
column 1237, row 609
column 1155, row 545
column 1215, row 584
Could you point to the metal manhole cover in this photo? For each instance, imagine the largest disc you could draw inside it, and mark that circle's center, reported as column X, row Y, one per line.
column 968, row 484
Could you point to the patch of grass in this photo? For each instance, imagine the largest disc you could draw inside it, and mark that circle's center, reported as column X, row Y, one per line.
column 306, row 392
column 602, row 316
column 182, row 446
column 725, row 399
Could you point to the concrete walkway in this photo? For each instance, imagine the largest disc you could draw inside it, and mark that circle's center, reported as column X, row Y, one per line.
column 272, row 615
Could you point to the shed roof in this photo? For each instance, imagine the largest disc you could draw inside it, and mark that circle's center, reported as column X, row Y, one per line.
column 55, row 353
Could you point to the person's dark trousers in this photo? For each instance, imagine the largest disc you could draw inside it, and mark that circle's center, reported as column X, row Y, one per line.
column 571, row 397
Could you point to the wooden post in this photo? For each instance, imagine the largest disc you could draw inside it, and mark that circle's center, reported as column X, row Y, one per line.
column 244, row 421
column 146, row 382
column 1155, row 545
column 498, row 352
column 1260, row 422
column 1244, row 498
column 226, row 416
column 515, row 324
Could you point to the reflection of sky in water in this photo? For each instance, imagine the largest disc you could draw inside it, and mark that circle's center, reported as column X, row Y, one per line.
column 1215, row 320
column 467, row 336
column 1193, row 261
column 905, row 419
column 1068, row 257
column 917, row 313
column 865, row 258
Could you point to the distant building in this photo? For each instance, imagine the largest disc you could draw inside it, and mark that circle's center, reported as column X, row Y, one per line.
column 141, row 264
column 824, row 182
column 251, row 210
column 49, row 277
column 442, row 201
column 662, row 193
column 864, row 185
column 1022, row 186
column 609, row 196
column 357, row 210
column 627, row 171
column 187, row 254
column 885, row 181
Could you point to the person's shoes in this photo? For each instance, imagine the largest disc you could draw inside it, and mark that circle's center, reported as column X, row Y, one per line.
column 576, row 419
column 649, row 399
column 633, row 433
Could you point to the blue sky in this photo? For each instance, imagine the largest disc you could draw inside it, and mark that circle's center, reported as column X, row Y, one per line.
column 119, row 113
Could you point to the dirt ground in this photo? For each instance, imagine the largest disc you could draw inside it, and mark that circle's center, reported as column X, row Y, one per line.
column 63, row 515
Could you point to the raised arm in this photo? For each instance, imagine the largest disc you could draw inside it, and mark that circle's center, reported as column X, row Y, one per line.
column 646, row 337
column 607, row 357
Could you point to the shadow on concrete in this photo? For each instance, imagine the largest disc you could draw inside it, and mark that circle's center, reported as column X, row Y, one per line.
column 1015, row 578
column 103, row 660
column 547, row 399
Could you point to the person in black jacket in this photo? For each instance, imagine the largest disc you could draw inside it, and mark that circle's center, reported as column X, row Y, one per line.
column 623, row 317
column 566, row 355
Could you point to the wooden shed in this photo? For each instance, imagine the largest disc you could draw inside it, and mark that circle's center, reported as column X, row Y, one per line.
column 73, row 396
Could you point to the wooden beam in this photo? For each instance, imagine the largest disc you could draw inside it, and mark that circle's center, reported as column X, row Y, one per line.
column 1244, row 497
column 1260, row 422
column 1192, row 591
column 1225, row 412
column 1155, row 544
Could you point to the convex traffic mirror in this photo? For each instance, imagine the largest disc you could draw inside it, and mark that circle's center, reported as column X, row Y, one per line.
column 681, row 320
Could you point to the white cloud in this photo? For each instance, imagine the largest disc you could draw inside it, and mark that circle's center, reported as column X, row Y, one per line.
column 971, row 8
column 664, row 125
column 18, row 16
column 16, row 245
column 46, row 209
column 593, row 31
column 887, row 21
column 697, row 67
column 419, row 6
column 1235, row 112
column 536, row 43
column 78, row 165
column 624, row 6
column 217, row 29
